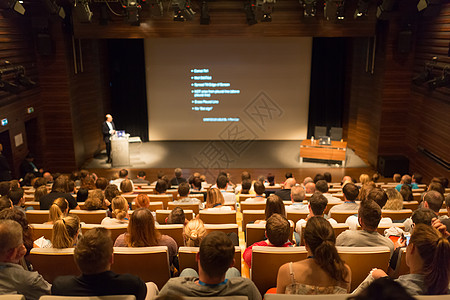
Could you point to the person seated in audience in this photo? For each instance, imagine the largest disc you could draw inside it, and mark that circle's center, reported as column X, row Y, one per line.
column 142, row 201
column 101, row 183
column 126, row 187
column 60, row 188
column 351, row 192
column 17, row 199
column 194, row 232
column 274, row 205
column 436, row 186
column 196, row 184
column 365, row 189
column 417, row 178
column 363, row 179
column 123, row 174
column 444, row 220
column 119, row 212
column 215, row 201
column 65, row 232
column 111, row 192
column 40, row 181
column 215, row 258
column 246, row 188
column 58, row 210
column 397, row 177
column 271, row 179
column 178, row 177
column 245, row 177
column 93, row 255
column 278, row 230
column 322, row 186
column 369, row 216
column 285, row 192
column 345, row 179
column 406, row 179
column 5, row 203
column 406, row 193
column 40, row 192
column 310, row 187
column 259, row 189
column 307, row 180
column 14, row 279
column 376, row 177
column 316, row 206
column 432, row 200
column 319, row 176
column 222, row 185
column 176, row 216
column 183, row 192
column 327, row 177
column 82, row 195
column 95, row 200
column 395, row 200
column 49, row 178
column 427, row 256
column 161, row 187
column 383, row 288
column 323, row 272
column 142, row 232
column 141, row 178
column 297, row 196
column 27, row 179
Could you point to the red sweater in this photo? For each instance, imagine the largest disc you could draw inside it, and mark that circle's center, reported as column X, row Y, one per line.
column 248, row 252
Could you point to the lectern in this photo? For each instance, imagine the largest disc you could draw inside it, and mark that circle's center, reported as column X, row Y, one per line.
column 120, row 150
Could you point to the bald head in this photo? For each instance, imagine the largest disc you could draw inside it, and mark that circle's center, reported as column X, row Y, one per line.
column 290, row 182
column 310, row 188
column 297, row 194
column 109, row 118
column 346, row 178
column 306, row 180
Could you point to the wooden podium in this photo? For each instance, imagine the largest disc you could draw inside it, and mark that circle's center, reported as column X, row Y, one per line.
column 311, row 149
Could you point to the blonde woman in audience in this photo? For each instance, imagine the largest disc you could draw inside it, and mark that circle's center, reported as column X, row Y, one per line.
column 323, row 272
column 58, row 210
column 65, row 232
column 194, row 232
column 39, row 192
column 365, row 189
column 395, row 200
column 119, row 212
column 364, row 178
column 215, row 200
column 142, row 201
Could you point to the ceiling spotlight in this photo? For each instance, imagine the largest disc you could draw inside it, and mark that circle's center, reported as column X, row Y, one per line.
column 309, row 8
column 13, row 4
column 82, row 11
column 132, row 9
column 204, row 14
column 340, row 10
column 362, row 8
column 264, row 9
column 182, row 10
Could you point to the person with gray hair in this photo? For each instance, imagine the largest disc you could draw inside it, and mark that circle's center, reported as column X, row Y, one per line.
column 14, row 279
column 178, row 177
column 297, row 196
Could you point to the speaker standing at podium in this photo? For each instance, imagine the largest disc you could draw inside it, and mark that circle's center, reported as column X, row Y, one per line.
column 108, row 129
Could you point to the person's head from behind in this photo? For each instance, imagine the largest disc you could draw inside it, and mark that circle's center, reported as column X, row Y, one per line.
column 94, row 250
column 369, row 215
column 16, row 196
column 58, row 209
column 142, row 201
column 433, row 200
column 327, row 176
column 377, row 195
column 101, row 183
column 423, row 216
column 288, row 175
column 365, row 189
column 176, row 216
column 310, row 187
column 376, row 177
column 126, row 186
column 178, row 172
column 82, row 195
column 277, row 230
column 194, row 232
column 436, row 186
column 40, row 181
column 214, row 198
column 12, row 248
column 417, row 178
column 216, row 255
column 197, row 183
column 141, row 174
column 5, row 203
column 28, row 178
column 397, row 177
column 40, row 192
column 320, row 240
column 123, row 173
column 274, row 205
column 290, row 182
column 183, row 189
column 246, row 186
column 297, row 194
column 395, row 200
column 430, row 251
column 259, row 188
column 364, row 178
column 161, row 186
column 318, row 177
column 406, row 193
column 61, row 184
column 19, row 217
column 95, row 200
column 142, row 231
column 406, row 179
column 383, row 289
column 111, row 192
column 245, row 176
column 119, row 207
column 222, row 182
column 350, row 191
column 317, row 204
column 65, row 232
column 271, row 179
column 322, row 186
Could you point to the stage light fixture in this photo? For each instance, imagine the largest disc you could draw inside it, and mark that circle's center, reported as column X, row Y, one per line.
column 82, row 11
column 13, row 4
column 334, row 9
column 182, row 10
column 250, row 13
column 132, row 9
column 362, row 8
column 442, row 81
column 54, row 9
column 204, row 14
column 263, row 10
column 384, row 10
column 309, row 8
column 430, row 8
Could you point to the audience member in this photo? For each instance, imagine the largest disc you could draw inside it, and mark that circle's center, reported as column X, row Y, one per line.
column 183, row 192
column 297, row 197
column 364, row 178
column 376, row 177
column 327, row 177
column 161, row 187
column 119, row 212
column 397, row 177
column 17, row 199
column 14, row 279
column 141, row 178
column 65, row 232
column 95, row 200
column 406, row 179
column 176, row 216
column 94, row 255
column 285, row 192
column 40, row 181
column 215, row 200
column 323, row 272
column 5, row 188
column 40, row 192
column 395, row 200
column 310, row 187
column 123, row 174
column 126, row 187
column 274, row 205
column 351, row 192
column 27, row 179
column 82, row 195
column 178, row 177
column 319, row 177
column 111, row 192
column 60, row 189
column 365, row 189
column 142, row 201
column 194, row 232
column 259, row 189
column 322, row 186
column 432, row 200
column 101, row 183
column 383, row 288
column 222, row 185
column 215, row 257
column 436, row 186
column 417, row 178
column 28, row 167
column 5, row 203
column 446, row 221
column 58, row 210
column 406, row 193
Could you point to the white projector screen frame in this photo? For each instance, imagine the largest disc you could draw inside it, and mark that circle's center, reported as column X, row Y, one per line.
column 264, row 92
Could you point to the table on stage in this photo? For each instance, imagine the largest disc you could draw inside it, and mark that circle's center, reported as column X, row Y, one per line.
column 311, row 149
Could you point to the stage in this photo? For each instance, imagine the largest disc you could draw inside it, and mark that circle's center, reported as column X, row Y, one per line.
column 221, row 155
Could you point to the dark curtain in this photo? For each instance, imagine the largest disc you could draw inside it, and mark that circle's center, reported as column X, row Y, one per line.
column 326, row 100
column 128, row 86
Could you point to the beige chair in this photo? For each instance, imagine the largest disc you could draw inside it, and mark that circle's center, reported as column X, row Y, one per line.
column 341, row 216
column 34, row 204
column 443, row 212
column 192, row 206
column 363, row 259
column 250, row 216
column 90, row 216
column 175, row 231
column 419, row 190
column 306, row 297
column 413, row 205
column 144, row 191
column 257, row 232
column 252, row 206
column 154, row 206
column 12, row 297
column 200, row 197
column 82, row 205
column 111, row 297
column 161, row 198
column 402, row 214
column 243, row 197
column 37, row 216
column 294, row 216
column 130, row 198
column 329, row 206
column 162, row 214
column 218, row 217
column 173, row 192
column 217, row 298
column 38, row 230
column 226, row 228
column 148, row 263
column 51, row 262
column 267, row 260
column 417, row 197
column 187, row 255
column 115, row 230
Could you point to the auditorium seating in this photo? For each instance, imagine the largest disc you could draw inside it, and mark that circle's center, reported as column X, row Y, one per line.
column 148, row 263
column 401, row 268
column 250, row 216
column 192, row 206
column 37, row 216
column 147, row 191
column 153, row 206
column 257, row 232
column 49, row 261
column 175, row 231
column 413, row 205
column 218, row 217
column 187, row 258
column 341, row 216
column 306, row 297
column 161, row 198
column 243, row 197
column 38, row 230
column 337, row 228
column 162, row 214
column 115, row 230
column 252, row 206
column 111, row 297
column 90, row 216
column 34, row 204
column 295, row 216
column 226, row 228
column 396, row 214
